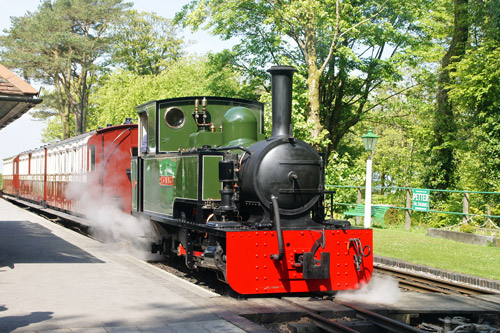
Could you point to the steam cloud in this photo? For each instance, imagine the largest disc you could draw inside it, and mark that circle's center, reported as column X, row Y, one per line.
column 380, row 290
column 107, row 221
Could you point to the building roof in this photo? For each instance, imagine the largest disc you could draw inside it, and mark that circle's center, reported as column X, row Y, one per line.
column 16, row 96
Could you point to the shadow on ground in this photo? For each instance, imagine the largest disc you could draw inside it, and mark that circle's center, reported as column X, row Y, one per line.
column 26, row 242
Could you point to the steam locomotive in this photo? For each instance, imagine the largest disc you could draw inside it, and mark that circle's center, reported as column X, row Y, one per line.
column 222, row 196
column 225, row 198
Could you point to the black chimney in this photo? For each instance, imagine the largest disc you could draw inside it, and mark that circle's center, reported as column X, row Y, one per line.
column 281, row 87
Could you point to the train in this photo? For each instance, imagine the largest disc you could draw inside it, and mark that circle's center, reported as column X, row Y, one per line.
column 97, row 162
column 216, row 191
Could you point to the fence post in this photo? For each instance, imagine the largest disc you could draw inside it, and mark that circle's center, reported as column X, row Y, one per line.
column 358, row 202
column 408, row 210
column 465, row 207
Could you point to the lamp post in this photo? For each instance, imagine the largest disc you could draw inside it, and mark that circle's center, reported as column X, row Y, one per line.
column 369, row 141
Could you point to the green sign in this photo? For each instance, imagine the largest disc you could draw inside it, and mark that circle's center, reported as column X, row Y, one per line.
column 420, row 200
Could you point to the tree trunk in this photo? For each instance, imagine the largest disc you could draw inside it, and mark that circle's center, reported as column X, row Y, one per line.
column 314, row 100
column 81, row 102
column 313, row 75
column 63, row 107
column 65, row 123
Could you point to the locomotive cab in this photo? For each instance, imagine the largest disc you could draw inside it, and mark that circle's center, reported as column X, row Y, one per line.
column 189, row 123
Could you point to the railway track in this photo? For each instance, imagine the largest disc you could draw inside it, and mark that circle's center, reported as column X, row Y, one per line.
column 421, row 283
column 374, row 319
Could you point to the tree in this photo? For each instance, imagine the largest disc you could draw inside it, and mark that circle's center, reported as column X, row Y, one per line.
column 146, row 43
column 117, row 97
column 345, row 49
column 474, row 89
column 48, row 112
column 53, row 131
column 60, row 45
column 441, row 174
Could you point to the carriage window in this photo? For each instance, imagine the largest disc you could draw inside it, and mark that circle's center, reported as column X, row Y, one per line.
column 92, row 158
column 15, row 168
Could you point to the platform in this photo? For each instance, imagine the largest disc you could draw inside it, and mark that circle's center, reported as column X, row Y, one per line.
column 53, row 279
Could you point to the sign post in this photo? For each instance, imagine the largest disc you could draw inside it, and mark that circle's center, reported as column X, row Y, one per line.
column 420, row 200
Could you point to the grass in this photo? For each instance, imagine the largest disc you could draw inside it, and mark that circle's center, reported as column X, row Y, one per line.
column 415, row 247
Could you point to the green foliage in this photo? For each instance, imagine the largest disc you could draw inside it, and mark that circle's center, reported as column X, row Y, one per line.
column 228, row 79
column 48, row 110
column 407, row 127
column 343, row 58
column 1, row 182
column 403, row 125
column 60, row 45
column 53, row 131
column 476, row 93
column 474, row 89
column 443, row 143
column 470, row 135
column 343, row 170
column 469, row 228
column 146, row 43
column 119, row 94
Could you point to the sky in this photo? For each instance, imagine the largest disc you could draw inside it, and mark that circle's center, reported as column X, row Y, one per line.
column 25, row 133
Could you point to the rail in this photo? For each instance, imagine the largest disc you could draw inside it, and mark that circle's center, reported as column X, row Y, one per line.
column 376, row 319
column 381, row 321
column 420, row 283
column 323, row 322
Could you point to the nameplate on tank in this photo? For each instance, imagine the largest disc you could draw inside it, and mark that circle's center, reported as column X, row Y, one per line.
column 167, row 180
column 167, row 172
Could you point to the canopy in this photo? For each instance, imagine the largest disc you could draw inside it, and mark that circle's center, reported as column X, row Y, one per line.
column 16, row 96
